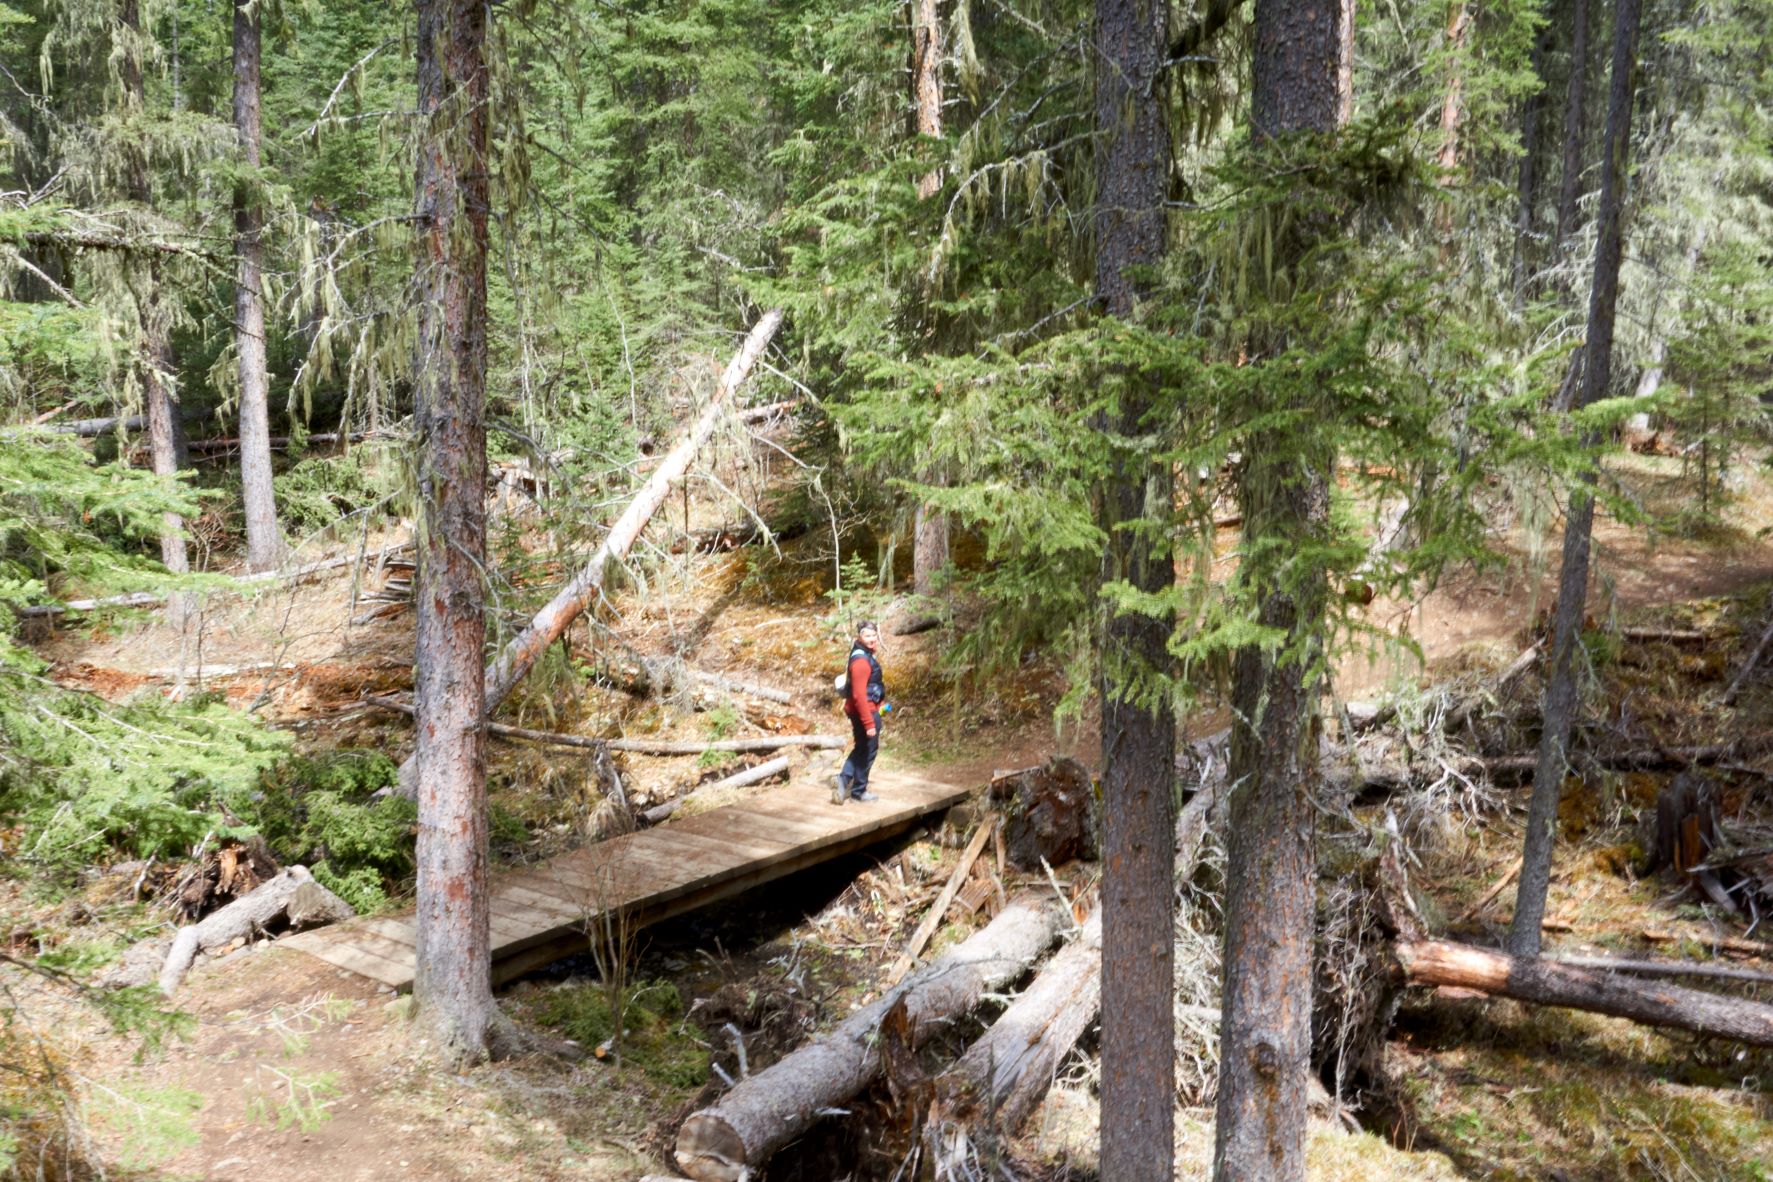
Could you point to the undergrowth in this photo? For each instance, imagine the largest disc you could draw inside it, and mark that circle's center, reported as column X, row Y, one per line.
column 655, row 1038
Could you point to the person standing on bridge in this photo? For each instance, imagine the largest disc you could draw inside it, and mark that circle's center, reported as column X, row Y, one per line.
column 864, row 701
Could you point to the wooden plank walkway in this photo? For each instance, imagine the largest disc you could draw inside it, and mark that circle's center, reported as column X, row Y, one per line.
column 539, row 912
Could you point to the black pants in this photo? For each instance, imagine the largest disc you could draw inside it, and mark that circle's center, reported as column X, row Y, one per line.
column 861, row 760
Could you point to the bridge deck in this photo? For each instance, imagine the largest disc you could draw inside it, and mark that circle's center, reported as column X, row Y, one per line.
column 540, row 913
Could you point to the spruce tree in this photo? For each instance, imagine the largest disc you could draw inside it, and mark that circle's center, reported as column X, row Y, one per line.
column 1138, row 727
column 1297, row 103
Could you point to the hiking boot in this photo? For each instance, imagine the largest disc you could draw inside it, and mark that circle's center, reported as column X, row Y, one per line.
column 840, row 791
column 864, row 797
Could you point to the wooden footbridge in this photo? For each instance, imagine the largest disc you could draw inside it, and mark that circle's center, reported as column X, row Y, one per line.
column 542, row 913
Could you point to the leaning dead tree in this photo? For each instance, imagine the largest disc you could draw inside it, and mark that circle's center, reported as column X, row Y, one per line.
column 521, row 652
column 764, row 1112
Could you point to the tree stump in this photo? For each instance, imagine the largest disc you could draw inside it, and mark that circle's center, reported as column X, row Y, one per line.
column 1050, row 812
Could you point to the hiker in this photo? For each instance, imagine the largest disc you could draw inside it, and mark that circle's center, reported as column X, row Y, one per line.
column 863, row 701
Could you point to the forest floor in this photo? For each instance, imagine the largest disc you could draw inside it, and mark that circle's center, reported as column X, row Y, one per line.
column 296, row 1070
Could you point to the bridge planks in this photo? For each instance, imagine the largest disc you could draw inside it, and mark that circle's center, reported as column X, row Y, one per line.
column 539, row 913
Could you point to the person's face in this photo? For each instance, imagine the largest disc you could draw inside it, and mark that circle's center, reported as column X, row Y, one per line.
column 870, row 638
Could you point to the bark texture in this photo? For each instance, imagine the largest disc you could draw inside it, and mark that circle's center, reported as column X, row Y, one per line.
column 767, row 1110
column 1561, row 688
column 1138, row 737
column 264, row 538
column 1265, row 1037
column 1542, row 982
column 453, row 980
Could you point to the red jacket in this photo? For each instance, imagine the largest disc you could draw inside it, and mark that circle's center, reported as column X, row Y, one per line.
column 856, row 703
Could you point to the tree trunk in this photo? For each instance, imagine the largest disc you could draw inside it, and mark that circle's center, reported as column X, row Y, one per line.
column 166, row 428
column 767, row 1110
column 1541, row 982
column 1575, row 125
column 1458, row 25
column 1265, row 1038
column 264, row 539
column 1138, row 730
column 929, row 547
column 522, row 651
column 1527, row 184
column 1560, row 689
column 453, row 981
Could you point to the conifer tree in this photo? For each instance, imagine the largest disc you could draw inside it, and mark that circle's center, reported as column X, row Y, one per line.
column 1561, row 684
column 1297, row 103
column 158, row 367
column 264, row 536
column 1138, row 728
column 453, row 981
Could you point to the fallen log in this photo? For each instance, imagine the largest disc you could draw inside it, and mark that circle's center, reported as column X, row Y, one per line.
column 292, row 893
column 155, row 598
column 1666, row 968
column 939, row 908
column 1009, row 1068
column 753, row 775
column 638, row 746
column 522, row 651
column 1748, row 666
column 1544, row 982
column 1666, row 635
column 1734, row 945
column 735, row 1136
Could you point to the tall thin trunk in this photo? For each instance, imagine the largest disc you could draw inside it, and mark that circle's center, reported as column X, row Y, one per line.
column 166, row 428
column 453, row 983
column 1452, row 105
column 929, row 550
column 1138, row 740
column 1527, row 183
column 1265, row 1033
column 264, row 540
column 1575, row 125
column 1560, row 689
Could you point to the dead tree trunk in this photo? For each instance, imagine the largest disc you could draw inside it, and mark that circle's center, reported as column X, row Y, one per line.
column 1560, row 689
column 521, row 652
column 769, row 1109
column 1131, row 98
column 293, row 893
column 264, row 539
column 1542, row 982
column 453, row 978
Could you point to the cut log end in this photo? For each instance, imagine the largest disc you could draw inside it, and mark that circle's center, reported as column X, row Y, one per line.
column 709, row 1149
